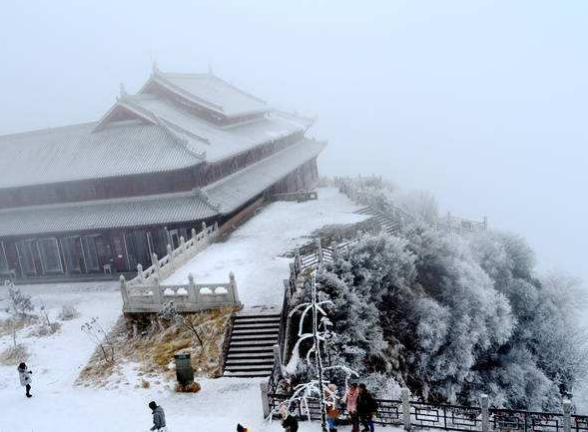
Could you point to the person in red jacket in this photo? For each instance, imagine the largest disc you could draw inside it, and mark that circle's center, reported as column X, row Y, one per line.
column 350, row 400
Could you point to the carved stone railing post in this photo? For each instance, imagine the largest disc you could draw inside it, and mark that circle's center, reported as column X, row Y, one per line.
column 183, row 246
column 485, row 405
column 298, row 261
column 233, row 284
column 193, row 235
column 192, row 296
column 140, row 274
column 123, row 290
column 205, row 231
column 170, row 253
column 277, row 359
column 157, row 292
column 264, row 388
column 319, row 251
column 155, row 262
column 567, row 415
column 405, row 396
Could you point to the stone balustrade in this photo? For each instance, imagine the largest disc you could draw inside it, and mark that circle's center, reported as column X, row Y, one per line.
column 192, row 297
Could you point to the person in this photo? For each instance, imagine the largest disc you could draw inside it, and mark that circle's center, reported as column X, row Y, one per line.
column 242, row 429
column 366, row 408
column 25, row 378
column 289, row 422
column 332, row 406
column 350, row 400
column 158, row 417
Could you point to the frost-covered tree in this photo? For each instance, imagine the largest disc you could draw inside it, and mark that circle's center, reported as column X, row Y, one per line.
column 455, row 316
column 20, row 304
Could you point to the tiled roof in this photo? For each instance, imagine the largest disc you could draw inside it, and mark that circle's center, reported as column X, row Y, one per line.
column 218, row 143
column 76, row 153
column 162, row 137
column 219, row 198
column 105, row 214
column 213, row 93
column 232, row 191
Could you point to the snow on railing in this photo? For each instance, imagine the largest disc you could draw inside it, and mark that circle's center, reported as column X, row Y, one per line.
column 411, row 414
column 192, row 297
column 164, row 267
column 354, row 189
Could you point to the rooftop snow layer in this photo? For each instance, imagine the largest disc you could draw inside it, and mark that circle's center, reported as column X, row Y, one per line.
column 221, row 197
column 213, row 92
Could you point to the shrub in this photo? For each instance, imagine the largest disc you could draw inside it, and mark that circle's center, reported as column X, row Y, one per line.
column 68, row 313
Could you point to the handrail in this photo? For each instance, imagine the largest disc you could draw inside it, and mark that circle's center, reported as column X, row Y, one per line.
column 165, row 266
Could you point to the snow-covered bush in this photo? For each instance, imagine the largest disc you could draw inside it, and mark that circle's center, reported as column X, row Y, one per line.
column 68, row 313
column 96, row 333
column 20, row 304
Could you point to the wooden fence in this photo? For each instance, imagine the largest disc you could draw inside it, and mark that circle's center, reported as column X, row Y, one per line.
column 191, row 297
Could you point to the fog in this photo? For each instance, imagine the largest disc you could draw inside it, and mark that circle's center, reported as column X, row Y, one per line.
column 483, row 103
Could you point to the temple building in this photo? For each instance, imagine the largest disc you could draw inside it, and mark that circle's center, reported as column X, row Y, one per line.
column 100, row 198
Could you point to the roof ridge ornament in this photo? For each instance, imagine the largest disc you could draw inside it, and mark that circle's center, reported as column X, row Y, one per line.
column 123, row 92
column 210, row 71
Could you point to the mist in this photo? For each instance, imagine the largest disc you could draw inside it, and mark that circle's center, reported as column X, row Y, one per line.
column 482, row 103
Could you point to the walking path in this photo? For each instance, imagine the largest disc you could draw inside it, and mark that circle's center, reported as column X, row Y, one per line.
column 255, row 252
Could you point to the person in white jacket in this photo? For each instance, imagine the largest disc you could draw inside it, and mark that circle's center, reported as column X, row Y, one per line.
column 25, row 378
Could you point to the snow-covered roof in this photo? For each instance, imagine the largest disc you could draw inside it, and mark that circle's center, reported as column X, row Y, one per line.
column 139, row 134
column 219, row 198
column 77, row 153
column 211, row 92
column 233, row 191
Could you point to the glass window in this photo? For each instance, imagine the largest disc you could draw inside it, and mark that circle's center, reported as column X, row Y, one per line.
column 74, row 257
column 26, row 256
column 50, row 258
column 3, row 260
column 90, row 253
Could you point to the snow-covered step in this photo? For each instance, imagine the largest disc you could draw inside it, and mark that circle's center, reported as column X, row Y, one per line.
column 246, row 368
column 244, row 337
column 251, row 345
column 251, row 355
column 263, row 319
column 251, row 360
column 248, row 374
column 267, row 330
column 268, row 342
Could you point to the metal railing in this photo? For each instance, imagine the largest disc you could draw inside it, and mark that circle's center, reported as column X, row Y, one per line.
column 420, row 415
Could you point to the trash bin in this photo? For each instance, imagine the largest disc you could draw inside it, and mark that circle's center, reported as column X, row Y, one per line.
column 184, row 371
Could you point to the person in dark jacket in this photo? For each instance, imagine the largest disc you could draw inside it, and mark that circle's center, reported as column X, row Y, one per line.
column 158, row 417
column 366, row 408
column 25, row 378
column 289, row 422
column 240, row 428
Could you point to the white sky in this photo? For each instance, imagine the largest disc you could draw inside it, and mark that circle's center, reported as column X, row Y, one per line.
column 482, row 102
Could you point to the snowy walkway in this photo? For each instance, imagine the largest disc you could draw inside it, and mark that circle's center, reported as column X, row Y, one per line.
column 57, row 406
column 255, row 251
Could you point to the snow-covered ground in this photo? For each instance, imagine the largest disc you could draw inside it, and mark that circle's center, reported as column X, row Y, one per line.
column 255, row 251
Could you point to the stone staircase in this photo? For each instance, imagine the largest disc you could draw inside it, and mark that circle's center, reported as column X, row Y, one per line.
column 250, row 352
column 389, row 225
